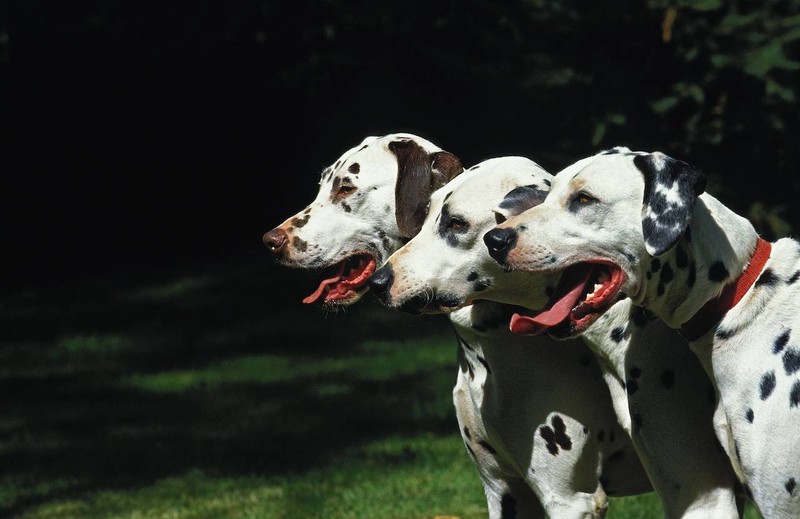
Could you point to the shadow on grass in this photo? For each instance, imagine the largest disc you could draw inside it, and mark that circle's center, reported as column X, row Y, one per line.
column 117, row 384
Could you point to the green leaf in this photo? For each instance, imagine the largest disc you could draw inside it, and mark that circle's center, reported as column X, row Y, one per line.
column 702, row 5
column 759, row 62
column 664, row 104
column 721, row 60
column 774, row 88
column 735, row 21
column 599, row 132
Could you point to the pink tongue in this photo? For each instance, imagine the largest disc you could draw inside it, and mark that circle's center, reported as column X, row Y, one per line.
column 560, row 305
column 321, row 288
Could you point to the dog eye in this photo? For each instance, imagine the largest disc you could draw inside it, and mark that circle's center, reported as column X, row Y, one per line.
column 581, row 199
column 345, row 189
column 457, row 224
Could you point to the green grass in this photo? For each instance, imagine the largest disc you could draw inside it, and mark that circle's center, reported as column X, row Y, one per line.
column 217, row 394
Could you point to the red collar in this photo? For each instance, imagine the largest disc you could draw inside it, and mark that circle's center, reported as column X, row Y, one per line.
column 712, row 312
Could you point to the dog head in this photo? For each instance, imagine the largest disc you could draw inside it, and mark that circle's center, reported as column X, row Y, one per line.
column 446, row 266
column 603, row 223
column 370, row 200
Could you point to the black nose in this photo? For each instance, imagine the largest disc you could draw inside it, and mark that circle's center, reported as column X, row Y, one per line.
column 499, row 242
column 380, row 282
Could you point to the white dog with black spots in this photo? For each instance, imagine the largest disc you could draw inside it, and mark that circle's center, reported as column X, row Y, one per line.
column 640, row 224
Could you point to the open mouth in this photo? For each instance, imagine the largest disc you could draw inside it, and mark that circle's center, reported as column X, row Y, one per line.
column 345, row 281
column 585, row 291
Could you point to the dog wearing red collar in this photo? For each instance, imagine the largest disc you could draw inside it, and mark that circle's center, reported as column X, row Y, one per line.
column 639, row 224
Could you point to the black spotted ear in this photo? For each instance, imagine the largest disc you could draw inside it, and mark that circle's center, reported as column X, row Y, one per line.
column 518, row 200
column 419, row 174
column 671, row 188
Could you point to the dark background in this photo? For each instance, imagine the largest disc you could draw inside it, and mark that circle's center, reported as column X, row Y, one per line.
column 139, row 135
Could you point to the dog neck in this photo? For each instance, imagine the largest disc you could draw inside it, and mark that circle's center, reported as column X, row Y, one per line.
column 697, row 272
column 713, row 311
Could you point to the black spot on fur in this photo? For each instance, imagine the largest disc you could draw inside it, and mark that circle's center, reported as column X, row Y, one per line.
column 661, row 289
column 631, row 386
column 300, row 245
column 467, row 434
column 791, row 361
column 655, row 265
column 681, row 258
column 463, row 361
column 556, row 436
column 482, row 285
column 792, row 280
column 717, row 272
column 488, row 448
column 547, row 182
column 354, row 168
column 790, row 484
column 300, row 222
column 508, row 507
column 794, row 395
column 666, row 273
column 724, row 334
column 346, row 207
column 767, row 385
column 749, row 415
column 472, row 276
column 781, row 341
column 668, row 378
column 485, row 364
column 471, row 452
column 767, row 279
column 617, row 334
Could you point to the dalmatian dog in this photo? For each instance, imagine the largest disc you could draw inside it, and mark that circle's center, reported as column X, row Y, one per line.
column 544, row 437
column 641, row 224
column 364, row 210
column 658, row 386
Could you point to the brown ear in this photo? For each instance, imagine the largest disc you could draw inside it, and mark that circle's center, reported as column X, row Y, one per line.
column 418, row 175
column 445, row 167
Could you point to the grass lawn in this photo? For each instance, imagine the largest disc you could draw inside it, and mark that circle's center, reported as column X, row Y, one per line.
column 214, row 393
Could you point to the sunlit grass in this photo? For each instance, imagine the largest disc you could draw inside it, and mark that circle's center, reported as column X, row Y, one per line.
column 372, row 361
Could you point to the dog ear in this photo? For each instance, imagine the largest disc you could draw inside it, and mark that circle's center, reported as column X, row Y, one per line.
column 444, row 167
column 518, row 200
column 419, row 174
column 671, row 188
